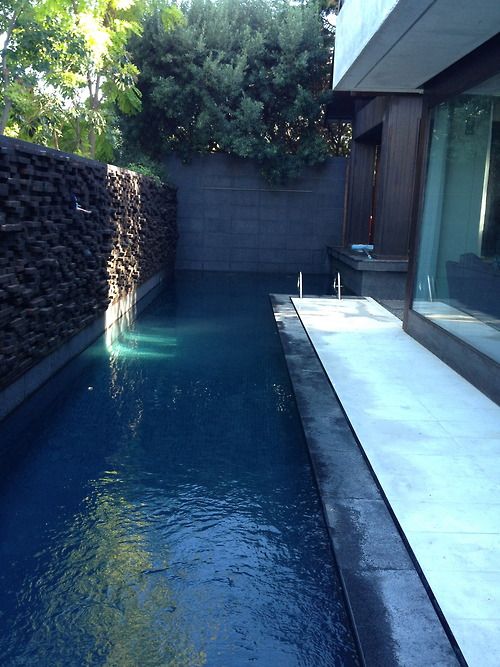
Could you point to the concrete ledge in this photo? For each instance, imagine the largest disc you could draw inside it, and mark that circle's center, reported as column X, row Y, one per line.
column 480, row 370
column 393, row 616
column 361, row 262
column 13, row 395
column 379, row 278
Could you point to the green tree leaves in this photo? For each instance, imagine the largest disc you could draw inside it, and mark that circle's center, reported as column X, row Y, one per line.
column 65, row 68
column 245, row 77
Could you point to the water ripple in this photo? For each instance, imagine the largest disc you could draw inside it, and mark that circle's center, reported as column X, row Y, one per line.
column 168, row 517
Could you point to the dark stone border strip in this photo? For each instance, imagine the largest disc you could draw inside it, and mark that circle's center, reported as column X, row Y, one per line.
column 394, row 619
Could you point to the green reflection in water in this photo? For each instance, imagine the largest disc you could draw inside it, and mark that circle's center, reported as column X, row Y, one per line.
column 102, row 596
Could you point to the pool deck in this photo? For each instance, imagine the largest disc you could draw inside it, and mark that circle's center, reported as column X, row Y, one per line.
column 431, row 443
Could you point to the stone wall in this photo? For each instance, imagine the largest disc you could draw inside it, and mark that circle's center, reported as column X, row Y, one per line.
column 75, row 236
column 231, row 219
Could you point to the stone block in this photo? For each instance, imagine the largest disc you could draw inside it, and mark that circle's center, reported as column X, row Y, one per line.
column 275, row 241
column 217, row 224
column 251, row 267
column 217, row 253
column 246, row 240
column 301, row 241
column 245, row 255
column 190, row 240
column 191, row 253
column 274, row 226
column 209, row 265
column 270, row 255
column 299, row 257
column 273, row 212
column 244, row 226
column 217, row 240
column 217, row 181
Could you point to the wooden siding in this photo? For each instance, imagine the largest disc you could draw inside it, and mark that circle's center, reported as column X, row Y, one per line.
column 398, row 171
column 359, row 192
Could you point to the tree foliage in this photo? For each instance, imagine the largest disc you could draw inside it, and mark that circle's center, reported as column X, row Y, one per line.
column 37, row 43
column 66, row 70
column 248, row 78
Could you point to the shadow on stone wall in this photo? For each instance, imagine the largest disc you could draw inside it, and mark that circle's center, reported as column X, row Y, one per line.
column 75, row 236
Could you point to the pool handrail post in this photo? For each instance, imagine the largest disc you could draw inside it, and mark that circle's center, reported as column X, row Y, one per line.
column 299, row 284
column 338, row 286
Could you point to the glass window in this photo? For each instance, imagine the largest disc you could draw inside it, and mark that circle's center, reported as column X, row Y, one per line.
column 458, row 267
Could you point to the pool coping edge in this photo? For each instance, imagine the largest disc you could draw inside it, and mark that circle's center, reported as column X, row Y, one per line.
column 394, row 620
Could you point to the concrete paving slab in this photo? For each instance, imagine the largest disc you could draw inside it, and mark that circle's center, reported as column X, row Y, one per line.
column 395, row 621
column 433, row 443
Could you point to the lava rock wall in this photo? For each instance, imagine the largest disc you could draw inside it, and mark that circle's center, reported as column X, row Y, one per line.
column 75, row 236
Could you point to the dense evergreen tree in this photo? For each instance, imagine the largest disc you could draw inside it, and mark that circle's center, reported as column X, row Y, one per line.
column 247, row 77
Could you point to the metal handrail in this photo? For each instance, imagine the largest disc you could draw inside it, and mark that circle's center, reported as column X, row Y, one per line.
column 337, row 286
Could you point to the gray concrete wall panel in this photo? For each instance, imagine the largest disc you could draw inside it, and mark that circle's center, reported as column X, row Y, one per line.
column 229, row 218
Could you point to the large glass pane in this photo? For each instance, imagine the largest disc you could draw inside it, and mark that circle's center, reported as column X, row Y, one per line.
column 458, row 268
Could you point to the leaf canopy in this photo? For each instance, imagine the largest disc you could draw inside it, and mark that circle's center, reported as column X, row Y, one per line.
column 248, row 78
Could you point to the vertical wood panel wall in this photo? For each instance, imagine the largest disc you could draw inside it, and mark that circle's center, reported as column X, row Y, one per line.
column 359, row 192
column 398, row 171
column 394, row 122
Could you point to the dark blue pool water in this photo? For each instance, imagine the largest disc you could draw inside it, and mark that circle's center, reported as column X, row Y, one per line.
column 161, row 510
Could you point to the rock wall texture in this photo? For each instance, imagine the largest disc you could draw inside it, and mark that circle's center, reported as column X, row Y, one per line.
column 75, row 235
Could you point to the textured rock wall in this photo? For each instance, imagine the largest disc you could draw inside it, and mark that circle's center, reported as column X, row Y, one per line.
column 60, row 266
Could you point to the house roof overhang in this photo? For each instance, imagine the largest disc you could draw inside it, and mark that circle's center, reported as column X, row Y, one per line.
column 398, row 45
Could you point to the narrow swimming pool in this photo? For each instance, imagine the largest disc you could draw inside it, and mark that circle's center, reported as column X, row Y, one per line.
column 159, row 508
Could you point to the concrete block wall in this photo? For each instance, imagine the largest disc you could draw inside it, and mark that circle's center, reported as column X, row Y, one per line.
column 230, row 219
column 60, row 266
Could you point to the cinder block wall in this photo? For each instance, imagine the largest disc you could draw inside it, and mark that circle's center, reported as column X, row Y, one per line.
column 61, row 267
column 229, row 218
